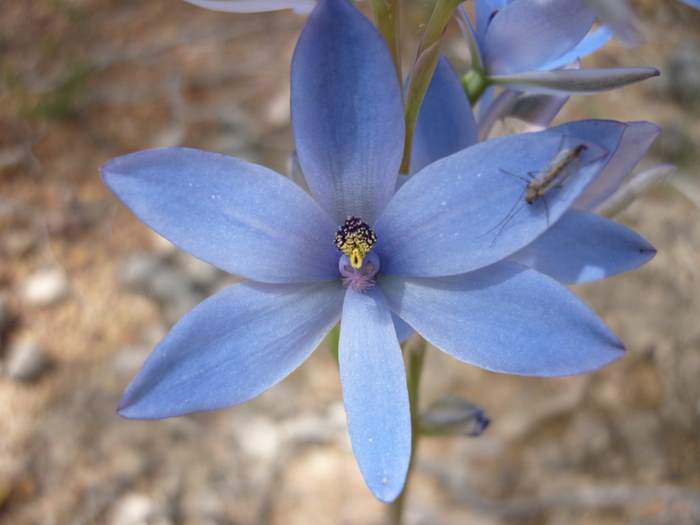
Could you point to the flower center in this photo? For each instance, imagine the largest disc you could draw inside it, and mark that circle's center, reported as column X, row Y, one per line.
column 355, row 239
column 359, row 279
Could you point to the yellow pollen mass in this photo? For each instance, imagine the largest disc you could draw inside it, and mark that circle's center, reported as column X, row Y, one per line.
column 355, row 239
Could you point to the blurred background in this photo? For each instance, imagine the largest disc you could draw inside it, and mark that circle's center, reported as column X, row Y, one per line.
column 86, row 291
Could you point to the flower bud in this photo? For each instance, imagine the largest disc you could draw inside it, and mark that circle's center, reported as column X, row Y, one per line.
column 453, row 416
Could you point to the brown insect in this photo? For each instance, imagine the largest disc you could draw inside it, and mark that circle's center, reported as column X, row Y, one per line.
column 540, row 183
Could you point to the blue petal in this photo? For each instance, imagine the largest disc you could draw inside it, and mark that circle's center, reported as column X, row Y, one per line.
column 593, row 41
column 485, row 11
column 485, row 102
column 492, row 109
column 468, row 210
column 243, row 218
column 233, row 346
column 527, row 34
column 347, row 114
column 633, row 187
column 692, row 3
column 538, row 110
column 608, row 134
column 636, row 141
column 445, row 123
column 252, row 6
column 575, row 81
column 375, row 393
column 505, row 318
column 618, row 16
column 583, row 247
column 403, row 329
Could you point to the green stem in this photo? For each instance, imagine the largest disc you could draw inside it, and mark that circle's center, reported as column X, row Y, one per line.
column 388, row 18
column 416, row 358
column 474, row 51
column 333, row 339
column 423, row 69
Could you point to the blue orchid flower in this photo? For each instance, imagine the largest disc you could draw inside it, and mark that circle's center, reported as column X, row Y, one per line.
column 533, row 49
column 356, row 250
column 515, row 36
column 589, row 247
column 527, row 44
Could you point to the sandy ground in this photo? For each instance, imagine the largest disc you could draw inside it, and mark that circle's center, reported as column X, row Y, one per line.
column 82, row 81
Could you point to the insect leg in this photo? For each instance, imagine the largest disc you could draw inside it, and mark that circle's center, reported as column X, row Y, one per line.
column 526, row 180
column 514, row 210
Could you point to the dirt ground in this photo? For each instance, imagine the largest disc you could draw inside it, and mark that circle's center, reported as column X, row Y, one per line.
column 86, row 290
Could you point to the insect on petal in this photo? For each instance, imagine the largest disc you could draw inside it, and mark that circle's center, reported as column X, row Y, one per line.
column 468, row 210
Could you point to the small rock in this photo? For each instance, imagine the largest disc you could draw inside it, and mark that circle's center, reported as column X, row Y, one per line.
column 46, row 287
column 202, row 274
column 309, row 428
column 260, row 438
column 139, row 269
column 18, row 243
column 278, row 111
column 168, row 284
column 159, row 279
column 129, row 359
column 133, row 509
column 26, row 361
column 174, row 291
